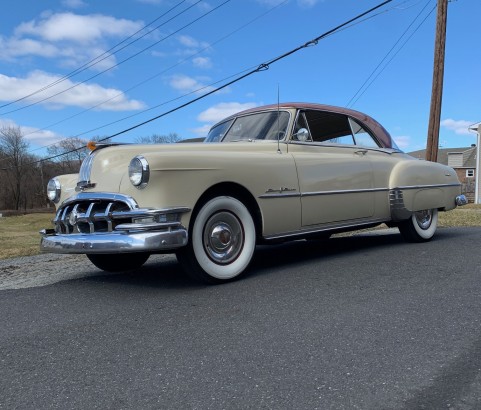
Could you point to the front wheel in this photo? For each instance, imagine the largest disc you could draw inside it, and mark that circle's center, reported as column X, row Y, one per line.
column 222, row 241
column 118, row 262
column 420, row 227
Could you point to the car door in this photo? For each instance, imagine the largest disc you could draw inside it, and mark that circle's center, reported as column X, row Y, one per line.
column 335, row 175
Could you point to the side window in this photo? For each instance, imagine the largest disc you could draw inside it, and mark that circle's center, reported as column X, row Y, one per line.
column 329, row 127
column 361, row 136
column 217, row 133
column 269, row 125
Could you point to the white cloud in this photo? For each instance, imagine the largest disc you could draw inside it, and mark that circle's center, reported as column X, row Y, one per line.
column 191, row 42
column 202, row 131
column 83, row 95
column 74, row 4
column 188, row 84
column 223, row 110
column 459, row 127
column 402, row 141
column 301, row 3
column 202, row 62
column 33, row 135
column 151, row 1
column 307, row 3
column 188, row 41
column 77, row 28
column 16, row 47
column 68, row 56
column 69, row 38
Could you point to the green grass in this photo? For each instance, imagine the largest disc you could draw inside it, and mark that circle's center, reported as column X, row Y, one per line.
column 19, row 234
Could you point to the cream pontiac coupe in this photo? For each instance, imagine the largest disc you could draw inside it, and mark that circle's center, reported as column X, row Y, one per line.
column 269, row 174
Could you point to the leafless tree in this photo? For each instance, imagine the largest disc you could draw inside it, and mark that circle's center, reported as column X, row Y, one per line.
column 70, row 153
column 15, row 162
column 159, row 139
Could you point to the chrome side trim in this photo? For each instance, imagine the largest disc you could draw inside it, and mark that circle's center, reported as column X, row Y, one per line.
column 326, row 228
column 280, row 195
column 428, row 186
column 319, row 193
column 344, row 191
column 353, row 191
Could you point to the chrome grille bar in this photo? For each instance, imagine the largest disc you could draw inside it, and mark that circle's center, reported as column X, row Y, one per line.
column 106, row 213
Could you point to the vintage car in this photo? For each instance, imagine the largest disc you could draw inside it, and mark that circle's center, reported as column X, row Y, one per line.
column 269, row 174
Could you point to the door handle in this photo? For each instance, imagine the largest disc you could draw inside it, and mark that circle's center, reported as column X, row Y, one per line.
column 361, row 152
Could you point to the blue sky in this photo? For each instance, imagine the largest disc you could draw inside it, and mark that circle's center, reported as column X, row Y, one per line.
column 193, row 46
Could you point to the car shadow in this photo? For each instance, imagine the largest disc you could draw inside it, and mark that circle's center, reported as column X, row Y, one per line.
column 165, row 272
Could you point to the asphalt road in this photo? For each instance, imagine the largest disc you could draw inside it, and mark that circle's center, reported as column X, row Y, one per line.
column 363, row 322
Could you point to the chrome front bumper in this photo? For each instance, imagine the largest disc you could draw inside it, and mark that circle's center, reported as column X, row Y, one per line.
column 113, row 242
column 113, row 223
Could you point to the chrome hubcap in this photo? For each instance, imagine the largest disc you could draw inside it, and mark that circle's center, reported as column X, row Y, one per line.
column 223, row 237
column 424, row 218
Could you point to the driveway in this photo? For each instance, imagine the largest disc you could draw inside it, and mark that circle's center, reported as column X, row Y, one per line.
column 361, row 322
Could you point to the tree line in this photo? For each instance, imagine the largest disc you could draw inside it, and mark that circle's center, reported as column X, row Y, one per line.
column 24, row 176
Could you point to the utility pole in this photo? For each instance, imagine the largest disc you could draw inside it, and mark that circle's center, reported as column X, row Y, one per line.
column 437, row 87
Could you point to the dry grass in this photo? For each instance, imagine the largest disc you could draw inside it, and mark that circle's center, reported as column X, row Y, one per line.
column 469, row 215
column 19, row 234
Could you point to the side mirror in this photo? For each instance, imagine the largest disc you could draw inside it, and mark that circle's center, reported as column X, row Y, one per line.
column 302, row 135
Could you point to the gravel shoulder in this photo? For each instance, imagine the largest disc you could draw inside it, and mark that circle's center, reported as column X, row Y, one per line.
column 46, row 269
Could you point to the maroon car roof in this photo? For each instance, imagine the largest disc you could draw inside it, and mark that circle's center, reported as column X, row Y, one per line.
column 383, row 136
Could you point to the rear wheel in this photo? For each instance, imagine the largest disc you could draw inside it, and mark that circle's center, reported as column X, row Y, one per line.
column 222, row 241
column 118, row 262
column 420, row 227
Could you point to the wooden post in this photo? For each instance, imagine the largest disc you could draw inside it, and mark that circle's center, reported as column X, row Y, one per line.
column 437, row 87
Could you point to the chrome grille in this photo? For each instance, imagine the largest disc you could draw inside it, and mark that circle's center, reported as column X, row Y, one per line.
column 102, row 212
column 91, row 216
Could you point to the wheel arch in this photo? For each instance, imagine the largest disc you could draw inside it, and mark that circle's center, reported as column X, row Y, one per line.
column 236, row 191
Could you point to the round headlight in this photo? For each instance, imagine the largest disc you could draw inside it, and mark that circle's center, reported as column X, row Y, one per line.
column 54, row 189
column 139, row 172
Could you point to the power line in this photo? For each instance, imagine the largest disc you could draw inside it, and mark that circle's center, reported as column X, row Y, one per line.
column 363, row 88
column 122, row 61
column 100, row 57
column 155, row 76
column 261, row 67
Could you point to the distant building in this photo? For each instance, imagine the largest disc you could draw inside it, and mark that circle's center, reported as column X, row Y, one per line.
column 463, row 161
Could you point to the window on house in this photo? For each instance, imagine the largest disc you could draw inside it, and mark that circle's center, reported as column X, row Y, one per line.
column 470, row 173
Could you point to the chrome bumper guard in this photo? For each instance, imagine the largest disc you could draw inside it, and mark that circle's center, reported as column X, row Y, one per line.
column 461, row 200
column 113, row 223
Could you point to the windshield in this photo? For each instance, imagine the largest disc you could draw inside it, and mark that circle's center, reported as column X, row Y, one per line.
column 271, row 125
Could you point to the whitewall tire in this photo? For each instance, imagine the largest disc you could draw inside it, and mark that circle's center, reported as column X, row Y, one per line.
column 421, row 226
column 221, row 243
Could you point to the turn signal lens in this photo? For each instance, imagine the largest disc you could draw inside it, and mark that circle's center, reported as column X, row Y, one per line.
column 91, row 145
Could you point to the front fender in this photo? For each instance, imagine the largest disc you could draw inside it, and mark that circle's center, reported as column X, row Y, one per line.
column 181, row 180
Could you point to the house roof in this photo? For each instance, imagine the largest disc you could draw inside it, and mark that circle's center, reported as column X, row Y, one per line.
column 468, row 161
